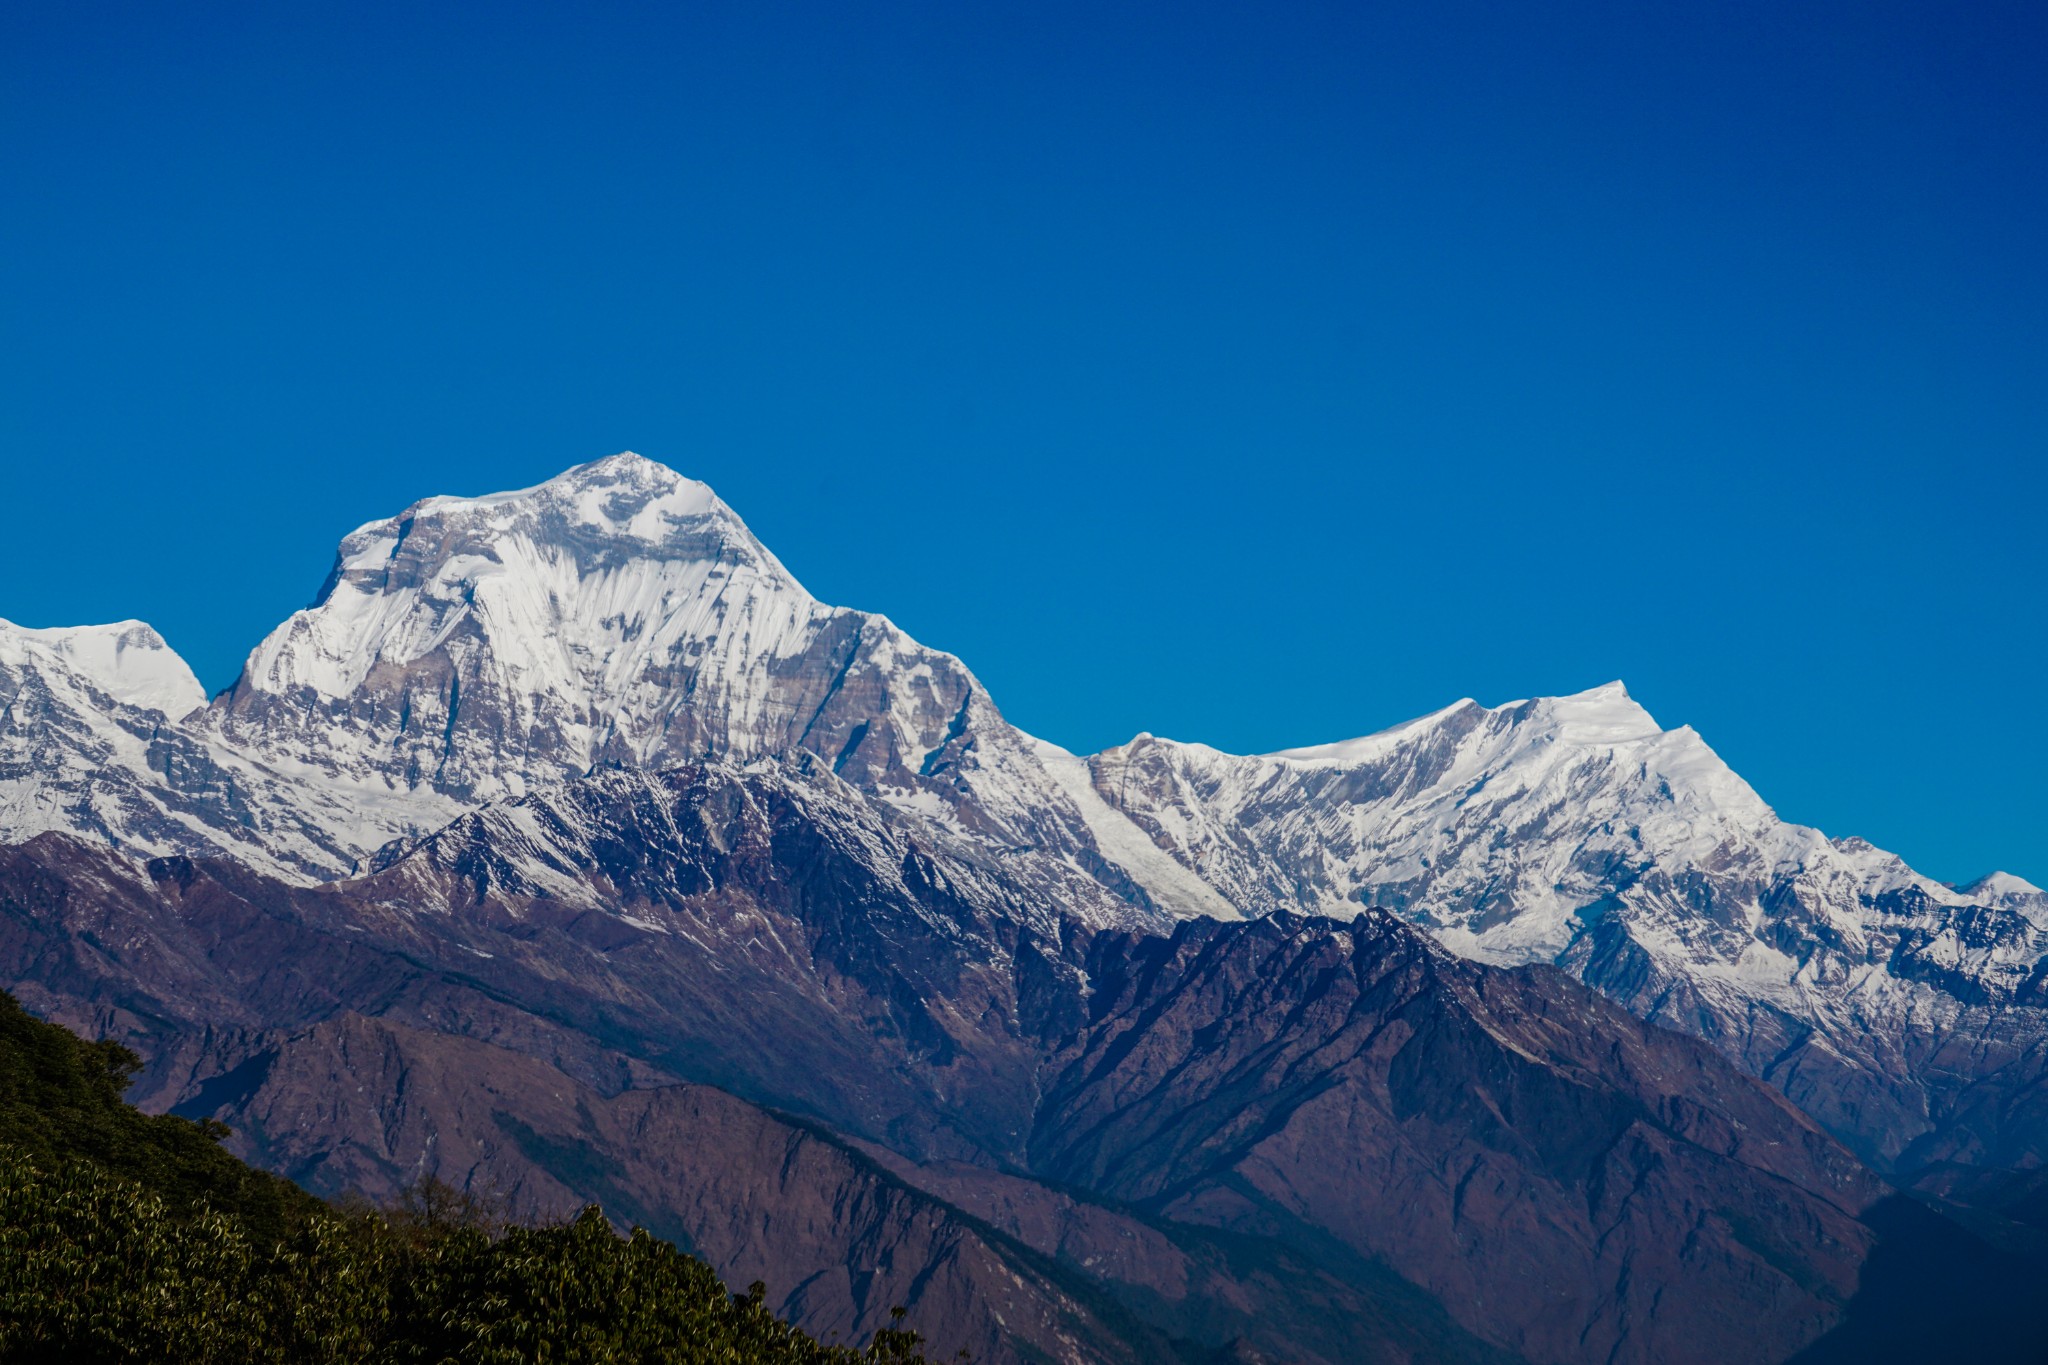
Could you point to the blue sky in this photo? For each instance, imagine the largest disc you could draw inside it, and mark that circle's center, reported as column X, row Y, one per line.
column 1259, row 375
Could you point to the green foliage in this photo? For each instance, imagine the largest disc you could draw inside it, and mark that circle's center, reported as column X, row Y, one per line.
column 123, row 1240
column 95, row 1268
column 60, row 1100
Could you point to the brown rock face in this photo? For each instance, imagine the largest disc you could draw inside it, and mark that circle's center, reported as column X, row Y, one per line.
column 1290, row 1139
column 1567, row 1180
column 365, row 1104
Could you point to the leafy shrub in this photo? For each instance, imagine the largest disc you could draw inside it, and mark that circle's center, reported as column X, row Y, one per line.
column 60, row 1100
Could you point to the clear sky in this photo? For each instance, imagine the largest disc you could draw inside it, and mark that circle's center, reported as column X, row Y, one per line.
column 1256, row 374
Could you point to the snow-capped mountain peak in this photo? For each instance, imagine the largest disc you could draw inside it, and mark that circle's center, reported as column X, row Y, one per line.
column 2002, row 884
column 470, row 647
column 562, row 579
column 473, row 649
column 96, row 738
column 625, row 496
column 1606, row 714
column 2003, row 888
column 127, row 660
column 1416, row 817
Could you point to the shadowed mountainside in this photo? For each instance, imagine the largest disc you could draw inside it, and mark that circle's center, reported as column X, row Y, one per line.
column 1295, row 1138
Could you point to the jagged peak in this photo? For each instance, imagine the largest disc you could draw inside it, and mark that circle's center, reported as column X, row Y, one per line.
column 127, row 660
column 1606, row 714
column 606, row 553
column 626, row 495
column 629, row 463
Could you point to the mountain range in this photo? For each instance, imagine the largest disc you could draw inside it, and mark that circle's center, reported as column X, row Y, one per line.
column 566, row 847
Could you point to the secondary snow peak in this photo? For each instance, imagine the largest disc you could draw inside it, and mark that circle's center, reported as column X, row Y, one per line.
column 127, row 660
column 1997, row 886
column 1606, row 714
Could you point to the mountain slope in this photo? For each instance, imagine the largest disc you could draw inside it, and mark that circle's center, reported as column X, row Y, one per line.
column 1499, row 1153
column 580, row 773
column 838, row 1242
column 128, row 1237
column 620, row 615
column 1904, row 1013
column 1524, row 1150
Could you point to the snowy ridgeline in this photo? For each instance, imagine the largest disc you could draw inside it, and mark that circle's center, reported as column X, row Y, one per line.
column 476, row 650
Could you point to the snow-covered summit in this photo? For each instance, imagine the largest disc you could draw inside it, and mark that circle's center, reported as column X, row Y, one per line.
column 96, row 739
column 1606, row 714
column 1495, row 825
column 470, row 647
column 127, row 660
column 620, row 615
column 1576, row 831
column 578, row 579
column 473, row 649
column 2001, row 884
column 1603, row 715
column 625, row 495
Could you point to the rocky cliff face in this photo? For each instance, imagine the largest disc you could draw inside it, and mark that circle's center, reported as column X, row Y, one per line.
column 1527, row 1152
column 1461, row 1162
